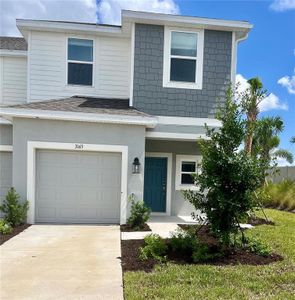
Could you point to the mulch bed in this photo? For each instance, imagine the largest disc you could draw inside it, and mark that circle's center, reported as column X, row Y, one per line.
column 128, row 228
column 131, row 262
column 15, row 231
column 259, row 221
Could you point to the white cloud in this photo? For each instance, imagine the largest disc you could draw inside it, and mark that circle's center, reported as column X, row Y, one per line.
column 288, row 82
column 109, row 11
column 65, row 10
column 271, row 102
column 282, row 5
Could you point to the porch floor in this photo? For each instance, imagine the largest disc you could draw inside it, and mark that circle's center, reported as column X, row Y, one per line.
column 161, row 225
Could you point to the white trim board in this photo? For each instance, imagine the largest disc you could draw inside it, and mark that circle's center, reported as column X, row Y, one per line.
column 78, row 116
column 14, row 53
column 169, row 179
column 32, row 146
column 6, row 148
column 158, row 135
column 189, row 121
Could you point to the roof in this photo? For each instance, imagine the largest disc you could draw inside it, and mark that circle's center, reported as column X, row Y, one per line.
column 13, row 43
column 85, row 105
column 130, row 17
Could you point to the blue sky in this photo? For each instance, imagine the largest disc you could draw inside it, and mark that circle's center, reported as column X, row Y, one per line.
column 269, row 52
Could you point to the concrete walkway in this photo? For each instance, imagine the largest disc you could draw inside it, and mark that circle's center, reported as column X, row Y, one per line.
column 62, row 262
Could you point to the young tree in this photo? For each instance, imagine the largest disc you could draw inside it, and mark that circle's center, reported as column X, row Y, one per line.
column 250, row 101
column 228, row 177
column 292, row 140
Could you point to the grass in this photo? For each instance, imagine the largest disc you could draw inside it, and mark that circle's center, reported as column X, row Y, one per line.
column 274, row 281
column 279, row 195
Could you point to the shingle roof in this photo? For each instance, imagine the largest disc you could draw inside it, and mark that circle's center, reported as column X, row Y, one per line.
column 85, row 105
column 13, row 43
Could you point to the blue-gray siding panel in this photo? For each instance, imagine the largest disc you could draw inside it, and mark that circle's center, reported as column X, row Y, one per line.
column 149, row 94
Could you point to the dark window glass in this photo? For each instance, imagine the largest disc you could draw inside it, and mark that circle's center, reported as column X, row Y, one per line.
column 184, row 44
column 81, row 50
column 183, row 70
column 80, row 74
column 188, row 166
column 187, row 179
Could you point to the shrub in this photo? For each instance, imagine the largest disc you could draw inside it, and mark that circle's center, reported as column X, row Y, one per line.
column 278, row 195
column 184, row 241
column 140, row 214
column 155, row 248
column 15, row 213
column 253, row 245
column 187, row 243
column 5, row 228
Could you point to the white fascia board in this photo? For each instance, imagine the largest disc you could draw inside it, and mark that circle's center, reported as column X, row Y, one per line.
column 4, row 121
column 6, row 148
column 186, row 121
column 168, row 19
column 16, row 53
column 175, row 136
column 25, row 25
column 149, row 122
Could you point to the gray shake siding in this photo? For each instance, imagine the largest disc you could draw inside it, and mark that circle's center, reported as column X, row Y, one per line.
column 150, row 96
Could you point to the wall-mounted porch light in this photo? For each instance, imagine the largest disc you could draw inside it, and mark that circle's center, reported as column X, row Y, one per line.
column 136, row 166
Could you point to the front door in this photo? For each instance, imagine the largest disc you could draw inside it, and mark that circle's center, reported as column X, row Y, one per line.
column 155, row 183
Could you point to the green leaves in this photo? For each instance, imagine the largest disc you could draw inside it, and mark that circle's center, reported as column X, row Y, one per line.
column 227, row 176
column 14, row 211
column 140, row 214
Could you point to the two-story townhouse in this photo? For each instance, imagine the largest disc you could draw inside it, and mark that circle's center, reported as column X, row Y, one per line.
column 109, row 111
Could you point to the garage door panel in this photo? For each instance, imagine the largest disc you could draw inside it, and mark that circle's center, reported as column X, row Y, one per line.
column 78, row 187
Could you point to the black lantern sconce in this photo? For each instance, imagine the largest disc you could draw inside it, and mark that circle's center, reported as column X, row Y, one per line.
column 136, row 166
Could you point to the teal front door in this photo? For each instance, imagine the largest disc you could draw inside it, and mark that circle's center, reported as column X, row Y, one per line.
column 155, row 183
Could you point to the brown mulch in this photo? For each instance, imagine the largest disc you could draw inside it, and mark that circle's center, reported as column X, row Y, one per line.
column 259, row 221
column 15, row 231
column 128, row 228
column 131, row 262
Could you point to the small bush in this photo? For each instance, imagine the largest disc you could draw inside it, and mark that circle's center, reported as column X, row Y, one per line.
column 184, row 241
column 140, row 214
column 154, row 248
column 5, row 228
column 253, row 245
column 187, row 243
column 15, row 213
column 278, row 195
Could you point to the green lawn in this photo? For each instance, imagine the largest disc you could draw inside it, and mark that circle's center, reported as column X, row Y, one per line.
column 274, row 281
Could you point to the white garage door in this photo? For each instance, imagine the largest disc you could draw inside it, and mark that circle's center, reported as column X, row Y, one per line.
column 5, row 174
column 78, row 187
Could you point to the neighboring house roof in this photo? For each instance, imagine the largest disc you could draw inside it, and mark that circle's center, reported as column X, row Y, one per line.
column 85, row 105
column 13, row 43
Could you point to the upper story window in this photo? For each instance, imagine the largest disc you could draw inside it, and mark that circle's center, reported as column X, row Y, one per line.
column 80, row 61
column 183, row 58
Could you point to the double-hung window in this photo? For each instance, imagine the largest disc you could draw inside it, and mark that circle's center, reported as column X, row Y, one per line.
column 183, row 59
column 186, row 166
column 80, row 61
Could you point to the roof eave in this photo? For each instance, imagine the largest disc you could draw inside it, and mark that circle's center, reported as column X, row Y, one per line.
column 147, row 121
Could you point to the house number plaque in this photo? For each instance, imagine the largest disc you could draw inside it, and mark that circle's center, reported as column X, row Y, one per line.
column 79, row 146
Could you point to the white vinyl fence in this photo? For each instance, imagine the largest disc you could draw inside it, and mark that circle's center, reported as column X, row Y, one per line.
column 283, row 173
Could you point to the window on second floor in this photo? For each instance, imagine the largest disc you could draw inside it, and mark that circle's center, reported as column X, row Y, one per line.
column 183, row 58
column 80, row 61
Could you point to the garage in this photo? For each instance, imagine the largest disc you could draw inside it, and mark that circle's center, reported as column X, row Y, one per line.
column 5, row 173
column 77, row 187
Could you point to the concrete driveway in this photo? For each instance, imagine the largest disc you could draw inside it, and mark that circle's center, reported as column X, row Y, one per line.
column 62, row 262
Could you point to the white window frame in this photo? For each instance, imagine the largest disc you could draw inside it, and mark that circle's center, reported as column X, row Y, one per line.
column 197, row 85
column 80, row 61
column 179, row 159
